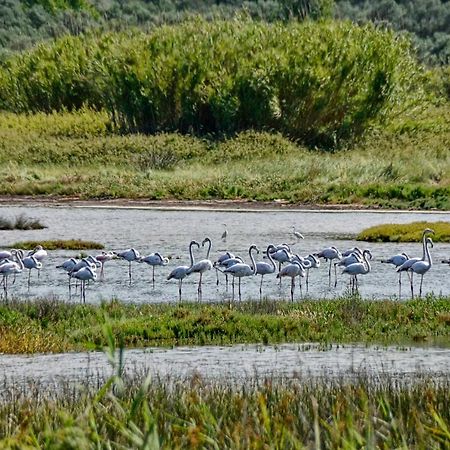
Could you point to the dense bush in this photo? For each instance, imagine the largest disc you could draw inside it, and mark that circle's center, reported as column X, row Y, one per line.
column 322, row 83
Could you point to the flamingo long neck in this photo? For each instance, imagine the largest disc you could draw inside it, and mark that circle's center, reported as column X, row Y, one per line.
column 367, row 267
column 209, row 248
column 428, row 254
column 269, row 255
column 424, row 245
column 18, row 259
column 253, row 259
column 191, row 253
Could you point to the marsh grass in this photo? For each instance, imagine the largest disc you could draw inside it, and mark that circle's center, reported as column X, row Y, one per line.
column 21, row 222
column 403, row 165
column 59, row 326
column 59, row 244
column 410, row 232
column 132, row 410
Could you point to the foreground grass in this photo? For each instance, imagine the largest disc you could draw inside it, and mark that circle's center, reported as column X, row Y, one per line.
column 404, row 165
column 53, row 326
column 409, row 232
column 366, row 412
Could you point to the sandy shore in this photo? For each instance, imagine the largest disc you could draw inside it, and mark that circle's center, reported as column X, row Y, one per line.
column 181, row 204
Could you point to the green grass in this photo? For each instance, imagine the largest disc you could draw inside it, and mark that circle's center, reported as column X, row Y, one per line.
column 53, row 326
column 59, row 244
column 409, row 232
column 21, row 222
column 403, row 165
column 378, row 412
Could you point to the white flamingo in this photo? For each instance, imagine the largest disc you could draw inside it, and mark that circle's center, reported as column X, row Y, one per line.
column 358, row 268
column 217, row 264
column 5, row 254
column 30, row 262
column 281, row 254
column 263, row 268
column 129, row 255
column 315, row 264
column 408, row 263
column 329, row 254
column 103, row 258
column 397, row 261
column 423, row 266
column 180, row 272
column 202, row 266
column 39, row 253
column 8, row 268
column 292, row 270
column 240, row 270
column 154, row 259
column 86, row 273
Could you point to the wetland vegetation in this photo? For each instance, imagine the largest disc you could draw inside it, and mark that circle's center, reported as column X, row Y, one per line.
column 58, row 244
column 409, row 232
column 55, row 326
column 21, row 222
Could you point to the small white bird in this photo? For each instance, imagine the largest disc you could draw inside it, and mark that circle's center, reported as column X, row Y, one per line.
column 297, row 234
column 225, row 233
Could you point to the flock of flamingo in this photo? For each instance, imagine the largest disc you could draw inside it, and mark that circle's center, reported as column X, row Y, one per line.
column 281, row 262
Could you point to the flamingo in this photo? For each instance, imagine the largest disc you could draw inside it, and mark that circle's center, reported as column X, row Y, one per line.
column 86, row 273
column 358, row 268
column 228, row 263
column 240, row 270
column 180, row 272
column 292, row 270
column 352, row 250
column 5, row 254
column 154, row 259
column 397, row 261
column 102, row 258
column 329, row 254
column 39, row 253
column 202, row 266
column 408, row 263
column 30, row 262
column 217, row 264
column 315, row 264
column 263, row 268
column 423, row 266
column 281, row 254
column 8, row 268
column 129, row 255
column 305, row 263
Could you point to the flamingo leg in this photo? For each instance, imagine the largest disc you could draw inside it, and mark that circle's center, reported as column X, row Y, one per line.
column 199, row 289
column 153, row 276
column 102, row 275
column 420, row 290
column 239, row 288
column 335, row 275
column 129, row 271
column 217, row 277
column 412, row 284
column 292, row 288
column 179, row 288
column 329, row 275
column 260, row 286
column 226, row 281
column 307, row 280
column 279, row 270
column 29, row 278
column 399, row 285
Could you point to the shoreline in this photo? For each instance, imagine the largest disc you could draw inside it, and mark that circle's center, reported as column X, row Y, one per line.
column 201, row 205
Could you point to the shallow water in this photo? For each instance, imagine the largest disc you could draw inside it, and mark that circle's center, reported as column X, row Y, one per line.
column 233, row 363
column 169, row 231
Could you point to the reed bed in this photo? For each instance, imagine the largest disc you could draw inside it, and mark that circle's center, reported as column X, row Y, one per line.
column 21, row 222
column 133, row 411
column 56, row 326
column 58, row 244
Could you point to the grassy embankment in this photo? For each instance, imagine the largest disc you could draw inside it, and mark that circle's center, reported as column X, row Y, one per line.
column 351, row 97
column 404, row 166
column 376, row 412
column 409, row 232
column 52, row 326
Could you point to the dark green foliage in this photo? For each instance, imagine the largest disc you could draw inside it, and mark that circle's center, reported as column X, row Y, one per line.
column 322, row 83
column 427, row 22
